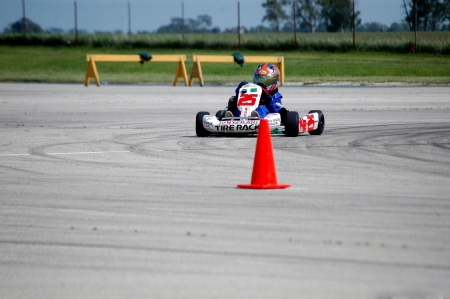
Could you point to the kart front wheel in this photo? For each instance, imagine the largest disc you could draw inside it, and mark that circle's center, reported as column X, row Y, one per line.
column 291, row 127
column 321, row 126
column 199, row 129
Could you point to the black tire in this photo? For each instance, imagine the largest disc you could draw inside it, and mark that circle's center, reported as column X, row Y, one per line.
column 321, row 126
column 199, row 129
column 291, row 127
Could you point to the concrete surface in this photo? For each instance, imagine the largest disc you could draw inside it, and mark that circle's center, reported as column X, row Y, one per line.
column 107, row 193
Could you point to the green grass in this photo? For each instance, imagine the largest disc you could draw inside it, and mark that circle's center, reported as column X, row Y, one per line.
column 392, row 42
column 68, row 65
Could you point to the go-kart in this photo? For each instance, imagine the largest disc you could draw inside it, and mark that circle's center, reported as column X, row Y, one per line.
column 247, row 101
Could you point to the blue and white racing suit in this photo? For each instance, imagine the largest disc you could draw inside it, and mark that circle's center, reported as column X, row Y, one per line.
column 273, row 107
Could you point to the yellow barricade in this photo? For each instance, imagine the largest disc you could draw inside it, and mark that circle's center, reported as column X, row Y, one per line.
column 91, row 71
column 196, row 71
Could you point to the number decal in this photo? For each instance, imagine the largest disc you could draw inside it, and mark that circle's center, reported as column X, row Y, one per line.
column 247, row 99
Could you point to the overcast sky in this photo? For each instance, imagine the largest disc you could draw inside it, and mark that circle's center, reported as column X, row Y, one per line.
column 111, row 15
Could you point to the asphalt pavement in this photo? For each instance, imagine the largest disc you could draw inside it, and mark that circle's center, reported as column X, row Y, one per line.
column 106, row 192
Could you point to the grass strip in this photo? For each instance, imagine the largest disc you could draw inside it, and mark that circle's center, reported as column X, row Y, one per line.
column 65, row 64
column 392, row 42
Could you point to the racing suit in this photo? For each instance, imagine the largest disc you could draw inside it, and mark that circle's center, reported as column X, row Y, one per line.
column 270, row 103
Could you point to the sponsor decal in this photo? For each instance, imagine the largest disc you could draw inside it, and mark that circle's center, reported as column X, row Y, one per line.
column 234, row 128
column 238, row 122
column 274, row 120
column 253, row 90
column 307, row 123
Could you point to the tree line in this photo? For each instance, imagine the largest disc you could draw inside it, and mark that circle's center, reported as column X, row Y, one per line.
column 325, row 16
column 301, row 15
column 336, row 15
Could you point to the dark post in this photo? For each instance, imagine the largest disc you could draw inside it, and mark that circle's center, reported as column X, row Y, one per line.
column 239, row 24
column 415, row 25
column 129, row 23
column 76, row 22
column 24, row 20
column 182, row 21
column 295, row 23
column 354, row 26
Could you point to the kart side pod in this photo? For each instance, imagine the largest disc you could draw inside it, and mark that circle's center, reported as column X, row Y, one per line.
column 313, row 123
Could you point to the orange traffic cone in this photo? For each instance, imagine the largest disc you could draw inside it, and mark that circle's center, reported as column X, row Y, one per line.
column 264, row 173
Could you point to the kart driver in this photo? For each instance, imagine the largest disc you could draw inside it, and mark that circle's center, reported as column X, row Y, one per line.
column 266, row 75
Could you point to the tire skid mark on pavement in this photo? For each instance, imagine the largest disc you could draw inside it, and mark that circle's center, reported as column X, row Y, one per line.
column 67, row 153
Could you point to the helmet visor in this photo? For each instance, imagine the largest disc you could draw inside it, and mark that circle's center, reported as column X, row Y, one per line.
column 266, row 80
column 257, row 78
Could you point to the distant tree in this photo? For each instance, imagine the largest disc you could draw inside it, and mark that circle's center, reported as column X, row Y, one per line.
column 337, row 14
column 423, row 13
column 192, row 24
column 408, row 5
column 288, row 26
column 447, row 10
column 397, row 27
column 259, row 29
column 431, row 14
column 447, row 15
column 440, row 14
column 203, row 23
column 309, row 12
column 175, row 26
column 275, row 13
column 80, row 31
column 17, row 27
column 54, row 30
column 373, row 27
column 322, row 27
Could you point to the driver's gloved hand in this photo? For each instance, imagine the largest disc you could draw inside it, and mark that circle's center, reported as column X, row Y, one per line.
column 265, row 97
column 232, row 103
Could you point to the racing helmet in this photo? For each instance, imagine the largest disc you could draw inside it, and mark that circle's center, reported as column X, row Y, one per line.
column 267, row 74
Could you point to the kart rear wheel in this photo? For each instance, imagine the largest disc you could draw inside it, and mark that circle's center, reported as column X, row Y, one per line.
column 199, row 129
column 321, row 126
column 291, row 127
